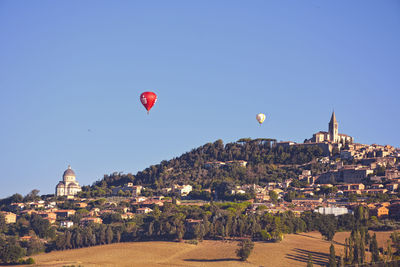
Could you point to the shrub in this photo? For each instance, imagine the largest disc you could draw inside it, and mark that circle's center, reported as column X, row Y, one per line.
column 29, row 261
column 192, row 242
column 245, row 248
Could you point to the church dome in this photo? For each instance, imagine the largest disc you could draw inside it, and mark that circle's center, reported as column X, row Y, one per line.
column 69, row 172
column 60, row 184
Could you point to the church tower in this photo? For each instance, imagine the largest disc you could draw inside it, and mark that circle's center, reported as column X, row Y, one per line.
column 333, row 129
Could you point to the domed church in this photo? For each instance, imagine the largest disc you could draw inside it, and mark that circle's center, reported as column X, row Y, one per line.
column 68, row 186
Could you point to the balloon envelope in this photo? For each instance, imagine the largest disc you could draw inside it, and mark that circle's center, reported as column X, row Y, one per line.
column 148, row 100
column 260, row 118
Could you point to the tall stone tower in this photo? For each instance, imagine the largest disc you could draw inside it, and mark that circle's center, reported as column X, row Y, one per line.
column 333, row 129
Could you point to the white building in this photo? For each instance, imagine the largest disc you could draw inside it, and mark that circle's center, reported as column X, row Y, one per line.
column 183, row 190
column 67, row 224
column 143, row 210
column 332, row 210
column 68, row 186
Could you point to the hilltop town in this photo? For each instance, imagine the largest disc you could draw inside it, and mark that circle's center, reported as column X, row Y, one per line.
column 328, row 174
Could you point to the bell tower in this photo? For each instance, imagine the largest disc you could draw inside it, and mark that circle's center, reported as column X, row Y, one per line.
column 333, row 129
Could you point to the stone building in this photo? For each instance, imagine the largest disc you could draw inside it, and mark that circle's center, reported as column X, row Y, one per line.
column 349, row 174
column 332, row 135
column 68, row 186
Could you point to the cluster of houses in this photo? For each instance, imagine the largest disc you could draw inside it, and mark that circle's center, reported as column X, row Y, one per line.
column 333, row 206
column 361, row 179
column 335, row 203
column 49, row 210
column 135, row 190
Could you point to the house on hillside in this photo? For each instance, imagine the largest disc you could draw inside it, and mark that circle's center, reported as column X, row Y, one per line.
column 182, row 190
column 344, row 187
column 213, row 164
column 380, row 212
column 129, row 187
column 50, row 216
column 143, row 210
column 67, row 224
column 87, row 220
column 239, row 163
column 64, row 213
column 9, row 217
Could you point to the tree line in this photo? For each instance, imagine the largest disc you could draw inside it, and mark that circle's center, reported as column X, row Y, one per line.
column 175, row 223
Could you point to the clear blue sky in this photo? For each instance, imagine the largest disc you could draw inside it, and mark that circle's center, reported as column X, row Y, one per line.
column 71, row 73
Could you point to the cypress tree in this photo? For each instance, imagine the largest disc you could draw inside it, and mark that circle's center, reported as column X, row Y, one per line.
column 117, row 236
column 389, row 253
column 341, row 262
column 362, row 251
column 351, row 251
column 109, row 235
column 332, row 256
column 68, row 244
column 310, row 260
column 373, row 247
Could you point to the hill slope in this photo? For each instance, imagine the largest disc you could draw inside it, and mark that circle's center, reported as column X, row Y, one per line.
column 265, row 162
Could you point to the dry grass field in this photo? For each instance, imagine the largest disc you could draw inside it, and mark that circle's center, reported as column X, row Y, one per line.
column 292, row 251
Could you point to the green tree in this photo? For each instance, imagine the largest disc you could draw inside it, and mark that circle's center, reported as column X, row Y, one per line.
column 32, row 196
column 395, row 236
column 68, row 241
column 273, row 196
column 150, row 229
column 40, row 226
column 60, row 243
column 111, row 217
column 332, row 256
column 11, row 252
column 388, row 252
column 109, row 235
column 117, row 236
column 265, row 236
column 29, row 261
column 245, row 248
column 341, row 262
column 352, row 197
column 76, row 238
column 3, row 225
column 16, row 198
column 180, row 231
column 101, row 234
column 35, row 245
column 327, row 227
column 310, row 260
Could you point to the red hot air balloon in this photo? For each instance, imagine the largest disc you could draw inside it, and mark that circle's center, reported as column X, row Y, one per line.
column 148, row 100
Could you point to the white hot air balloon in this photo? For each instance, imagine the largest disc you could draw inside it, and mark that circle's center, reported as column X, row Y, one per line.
column 260, row 118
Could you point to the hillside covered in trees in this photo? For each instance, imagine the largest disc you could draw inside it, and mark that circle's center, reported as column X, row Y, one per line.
column 266, row 162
